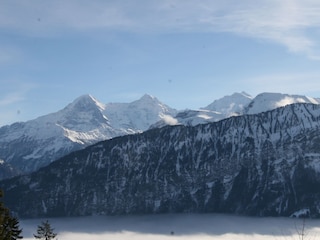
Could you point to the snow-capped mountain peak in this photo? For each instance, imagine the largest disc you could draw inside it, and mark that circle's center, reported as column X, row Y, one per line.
column 268, row 101
column 222, row 108
column 84, row 114
column 144, row 111
column 230, row 105
column 151, row 103
column 35, row 143
column 81, row 123
column 86, row 102
column 147, row 97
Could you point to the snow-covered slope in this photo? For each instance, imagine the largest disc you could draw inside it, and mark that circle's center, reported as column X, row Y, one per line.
column 262, row 164
column 225, row 107
column 30, row 145
column 269, row 101
column 232, row 105
column 137, row 116
column 235, row 105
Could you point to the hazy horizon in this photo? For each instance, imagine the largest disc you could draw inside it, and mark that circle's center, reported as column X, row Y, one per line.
column 175, row 226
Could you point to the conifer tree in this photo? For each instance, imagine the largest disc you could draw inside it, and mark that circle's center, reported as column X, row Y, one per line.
column 45, row 231
column 9, row 226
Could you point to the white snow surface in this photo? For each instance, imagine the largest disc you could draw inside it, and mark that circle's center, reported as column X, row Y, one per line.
column 140, row 114
column 225, row 107
column 231, row 105
column 175, row 226
column 86, row 120
column 269, row 101
column 235, row 105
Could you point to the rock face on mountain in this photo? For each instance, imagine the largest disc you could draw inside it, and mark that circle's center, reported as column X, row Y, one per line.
column 263, row 164
column 6, row 170
column 30, row 145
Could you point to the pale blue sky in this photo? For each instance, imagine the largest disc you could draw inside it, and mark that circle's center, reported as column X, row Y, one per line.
column 187, row 53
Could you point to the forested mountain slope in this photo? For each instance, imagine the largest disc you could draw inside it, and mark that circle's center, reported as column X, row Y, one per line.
column 264, row 164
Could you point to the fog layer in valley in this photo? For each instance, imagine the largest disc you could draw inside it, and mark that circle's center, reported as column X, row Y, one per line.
column 174, row 226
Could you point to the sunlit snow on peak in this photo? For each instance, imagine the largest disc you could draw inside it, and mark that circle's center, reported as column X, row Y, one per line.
column 86, row 101
column 270, row 101
column 230, row 105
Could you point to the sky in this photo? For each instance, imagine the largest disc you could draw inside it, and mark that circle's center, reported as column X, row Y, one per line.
column 187, row 53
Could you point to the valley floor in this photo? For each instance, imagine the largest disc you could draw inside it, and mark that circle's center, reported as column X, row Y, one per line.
column 175, row 226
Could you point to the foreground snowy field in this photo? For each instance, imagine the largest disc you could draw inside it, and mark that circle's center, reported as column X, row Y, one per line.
column 175, row 226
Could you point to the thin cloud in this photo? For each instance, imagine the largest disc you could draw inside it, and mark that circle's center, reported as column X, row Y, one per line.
column 11, row 98
column 284, row 22
column 8, row 105
column 291, row 23
column 14, row 91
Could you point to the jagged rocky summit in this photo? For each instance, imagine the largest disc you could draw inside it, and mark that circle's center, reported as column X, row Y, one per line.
column 265, row 164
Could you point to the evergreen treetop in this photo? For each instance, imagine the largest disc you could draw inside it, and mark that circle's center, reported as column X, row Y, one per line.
column 9, row 225
column 45, row 231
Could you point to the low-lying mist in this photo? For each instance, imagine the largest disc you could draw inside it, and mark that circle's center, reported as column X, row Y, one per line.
column 175, row 226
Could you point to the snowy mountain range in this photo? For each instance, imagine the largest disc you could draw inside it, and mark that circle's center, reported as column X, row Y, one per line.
column 265, row 164
column 27, row 146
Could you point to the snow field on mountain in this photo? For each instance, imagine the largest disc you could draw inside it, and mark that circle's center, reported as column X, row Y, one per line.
column 175, row 226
